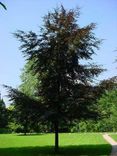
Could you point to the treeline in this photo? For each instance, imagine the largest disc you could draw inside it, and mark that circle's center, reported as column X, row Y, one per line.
column 27, row 119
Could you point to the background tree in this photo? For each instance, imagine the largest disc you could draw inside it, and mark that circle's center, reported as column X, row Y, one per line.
column 108, row 84
column 29, row 81
column 25, row 111
column 101, row 93
column 108, row 107
column 13, row 125
column 62, row 78
column 3, row 115
column 103, row 86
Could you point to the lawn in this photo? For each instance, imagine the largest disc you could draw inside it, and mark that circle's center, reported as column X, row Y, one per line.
column 71, row 144
column 114, row 136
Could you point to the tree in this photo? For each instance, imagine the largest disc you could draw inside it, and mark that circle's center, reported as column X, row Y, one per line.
column 26, row 110
column 28, row 81
column 108, row 84
column 108, row 108
column 28, row 86
column 56, row 55
column 3, row 114
column 103, row 86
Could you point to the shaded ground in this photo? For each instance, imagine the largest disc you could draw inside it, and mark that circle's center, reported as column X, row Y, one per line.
column 91, row 150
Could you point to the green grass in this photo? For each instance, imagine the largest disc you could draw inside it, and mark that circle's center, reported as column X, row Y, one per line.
column 114, row 136
column 43, row 144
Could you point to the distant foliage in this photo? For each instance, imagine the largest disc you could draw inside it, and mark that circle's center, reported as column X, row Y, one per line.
column 108, row 106
column 3, row 115
column 29, row 81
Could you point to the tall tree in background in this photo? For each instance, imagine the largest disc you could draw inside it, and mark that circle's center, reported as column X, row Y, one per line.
column 3, row 114
column 108, row 84
column 105, row 85
column 108, row 108
column 29, row 81
column 56, row 56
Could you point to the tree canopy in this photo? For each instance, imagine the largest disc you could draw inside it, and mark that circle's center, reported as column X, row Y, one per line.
column 58, row 58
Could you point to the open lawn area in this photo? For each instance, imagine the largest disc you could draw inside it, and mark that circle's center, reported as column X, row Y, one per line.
column 114, row 136
column 43, row 144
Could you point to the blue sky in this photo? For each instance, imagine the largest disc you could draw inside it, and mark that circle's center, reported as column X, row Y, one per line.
column 27, row 15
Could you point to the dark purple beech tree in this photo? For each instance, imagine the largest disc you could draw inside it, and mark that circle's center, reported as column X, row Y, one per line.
column 59, row 55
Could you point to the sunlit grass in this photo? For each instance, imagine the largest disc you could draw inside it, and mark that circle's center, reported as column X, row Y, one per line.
column 114, row 136
column 43, row 144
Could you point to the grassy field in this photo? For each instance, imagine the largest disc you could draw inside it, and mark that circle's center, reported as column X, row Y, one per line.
column 114, row 136
column 42, row 144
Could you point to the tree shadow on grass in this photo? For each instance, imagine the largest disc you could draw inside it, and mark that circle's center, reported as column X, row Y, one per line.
column 84, row 150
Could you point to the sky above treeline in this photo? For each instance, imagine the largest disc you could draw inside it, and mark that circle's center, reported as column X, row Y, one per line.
column 28, row 15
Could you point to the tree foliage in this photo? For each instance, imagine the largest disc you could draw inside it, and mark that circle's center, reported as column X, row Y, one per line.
column 29, row 81
column 108, row 107
column 26, row 110
column 3, row 114
column 63, row 81
column 108, row 84
column 103, row 86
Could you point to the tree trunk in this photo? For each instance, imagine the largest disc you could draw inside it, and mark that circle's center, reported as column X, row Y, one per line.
column 56, row 137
